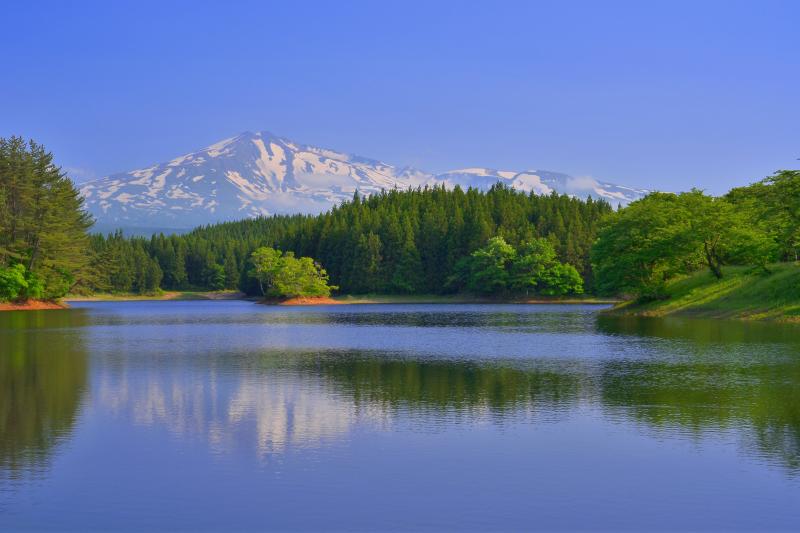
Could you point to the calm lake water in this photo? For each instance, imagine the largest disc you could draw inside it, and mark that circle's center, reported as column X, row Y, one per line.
column 229, row 415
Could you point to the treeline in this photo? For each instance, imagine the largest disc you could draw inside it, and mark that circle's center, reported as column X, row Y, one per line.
column 409, row 242
column 654, row 240
column 423, row 241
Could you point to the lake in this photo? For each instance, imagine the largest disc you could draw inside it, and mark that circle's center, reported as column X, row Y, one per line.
column 230, row 415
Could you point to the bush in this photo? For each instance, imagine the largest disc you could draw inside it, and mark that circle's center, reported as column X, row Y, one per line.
column 282, row 275
column 12, row 282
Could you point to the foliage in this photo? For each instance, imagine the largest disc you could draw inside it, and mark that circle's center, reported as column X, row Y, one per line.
column 125, row 265
column 42, row 221
column 12, row 282
column 498, row 268
column 638, row 248
column 742, row 292
column 773, row 205
column 282, row 275
column 397, row 242
column 423, row 241
column 643, row 246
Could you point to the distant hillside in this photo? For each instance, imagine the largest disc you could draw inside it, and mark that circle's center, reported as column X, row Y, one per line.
column 742, row 293
column 256, row 174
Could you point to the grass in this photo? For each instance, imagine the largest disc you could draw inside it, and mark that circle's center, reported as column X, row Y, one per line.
column 344, row 299
column 461, row 299
column 161, row 295
column 742, row 293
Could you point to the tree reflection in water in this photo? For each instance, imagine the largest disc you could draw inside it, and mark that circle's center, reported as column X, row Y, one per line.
column 683, row 379
column 43, row 379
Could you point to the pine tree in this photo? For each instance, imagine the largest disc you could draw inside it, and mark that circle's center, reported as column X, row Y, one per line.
column 43, row 225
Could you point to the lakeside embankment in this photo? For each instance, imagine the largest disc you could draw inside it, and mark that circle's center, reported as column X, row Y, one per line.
column 31, row 305
column 742, row 293
column 429, row 299
column 465, row 299
column 337, row 300
column 164, row 295
column 177, row 296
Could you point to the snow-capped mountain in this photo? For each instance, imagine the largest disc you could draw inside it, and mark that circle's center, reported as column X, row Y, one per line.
column 256, row 174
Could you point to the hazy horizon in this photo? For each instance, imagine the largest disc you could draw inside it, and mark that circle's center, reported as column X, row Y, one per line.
column 663, row 96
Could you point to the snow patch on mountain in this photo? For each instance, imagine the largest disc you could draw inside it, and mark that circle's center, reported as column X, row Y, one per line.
column 255, row 174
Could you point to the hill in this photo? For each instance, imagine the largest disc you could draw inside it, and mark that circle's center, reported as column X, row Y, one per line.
column 742, row 292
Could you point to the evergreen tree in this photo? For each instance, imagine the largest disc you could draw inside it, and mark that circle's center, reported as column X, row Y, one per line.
column 43, row 225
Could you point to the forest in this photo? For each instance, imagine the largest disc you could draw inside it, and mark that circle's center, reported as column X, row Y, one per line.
column 423, row 241
column 499, row 242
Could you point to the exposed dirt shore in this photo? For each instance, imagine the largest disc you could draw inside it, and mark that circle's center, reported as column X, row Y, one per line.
column 317, row 300
column 31, row 305
column 164, row 295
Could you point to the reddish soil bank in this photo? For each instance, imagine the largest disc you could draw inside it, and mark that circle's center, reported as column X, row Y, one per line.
column 317, row 300
column 31, row 305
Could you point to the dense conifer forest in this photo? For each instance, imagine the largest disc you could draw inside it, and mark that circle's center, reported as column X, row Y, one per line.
column 500, row 242
column 398, row 242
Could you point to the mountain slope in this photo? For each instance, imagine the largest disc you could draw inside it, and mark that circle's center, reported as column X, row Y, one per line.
column 256, row 174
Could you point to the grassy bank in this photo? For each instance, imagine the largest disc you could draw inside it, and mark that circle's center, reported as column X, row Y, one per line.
column 339, row 299
column 742, row 293
column 464, row 299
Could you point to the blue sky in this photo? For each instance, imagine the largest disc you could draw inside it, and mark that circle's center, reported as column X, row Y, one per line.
column 665, row 95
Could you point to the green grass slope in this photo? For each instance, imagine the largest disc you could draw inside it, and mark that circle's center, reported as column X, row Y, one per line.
column 742, row 293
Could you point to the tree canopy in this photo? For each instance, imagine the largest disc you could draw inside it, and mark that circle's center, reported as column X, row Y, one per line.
column 773, row 205
column 43, row 226
column 397, row 242
column 651, row 241
column 282, row 275
column 499, row 268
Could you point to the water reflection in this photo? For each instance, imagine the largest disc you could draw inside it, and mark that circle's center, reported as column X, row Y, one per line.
column 273, row 400
column 701, row 331
column 209, row 378
column 43, row 379
column 760, row 402
column 740, row 377
column 375, row 379
column 238, row 404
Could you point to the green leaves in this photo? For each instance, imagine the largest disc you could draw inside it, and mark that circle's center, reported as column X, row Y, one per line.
column 282, row 275
column 12, row 282
column 773, row 206
column 42, row 222
column 651, row 241
column 499, row 269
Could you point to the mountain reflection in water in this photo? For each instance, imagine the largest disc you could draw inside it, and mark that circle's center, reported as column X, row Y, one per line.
column 228, row 383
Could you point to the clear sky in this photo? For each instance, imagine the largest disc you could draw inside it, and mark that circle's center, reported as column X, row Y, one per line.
column 665, row 95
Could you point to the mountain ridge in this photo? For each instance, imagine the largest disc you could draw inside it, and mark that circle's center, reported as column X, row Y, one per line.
column 260, row 174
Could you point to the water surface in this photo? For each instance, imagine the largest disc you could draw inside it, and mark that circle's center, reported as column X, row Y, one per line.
column 229, row 415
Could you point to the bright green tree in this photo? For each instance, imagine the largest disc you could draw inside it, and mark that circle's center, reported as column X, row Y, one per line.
column 536, row 269
column 488, row 267
column 640, row 247
column 282, row 275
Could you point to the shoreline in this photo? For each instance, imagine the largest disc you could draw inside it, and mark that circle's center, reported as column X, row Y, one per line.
column 742, row 294
column 746, row 315
column 375, row 299
column 344, row 299
column 466, row 299
column 33, row 305
column 177, row 296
